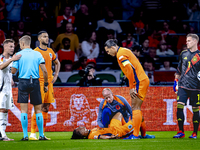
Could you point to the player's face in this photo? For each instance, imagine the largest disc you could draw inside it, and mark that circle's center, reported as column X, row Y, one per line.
column 83, row 131
column 44, row 38
column 108, row 96
column 191, row 42
column 9, row 48
column 111, row 51
column 69, row 28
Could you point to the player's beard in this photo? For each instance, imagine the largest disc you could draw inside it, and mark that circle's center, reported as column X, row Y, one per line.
column 45, row 44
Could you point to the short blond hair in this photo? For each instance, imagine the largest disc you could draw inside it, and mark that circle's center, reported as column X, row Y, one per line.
column 6, row 41
column 107, row 89
column 26, row 39
column 194, row 36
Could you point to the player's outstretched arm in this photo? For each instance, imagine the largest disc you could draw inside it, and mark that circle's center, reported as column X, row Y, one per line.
column 14, row 58
column 108, row 137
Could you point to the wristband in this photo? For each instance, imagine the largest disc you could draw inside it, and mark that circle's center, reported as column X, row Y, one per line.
column 46, row 83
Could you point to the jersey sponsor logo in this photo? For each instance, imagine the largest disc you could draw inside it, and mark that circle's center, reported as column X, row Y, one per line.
column 185, row 58
column 121, row 57
column 130, row 126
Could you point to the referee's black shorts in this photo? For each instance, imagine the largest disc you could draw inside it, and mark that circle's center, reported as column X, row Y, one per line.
column 25, row 88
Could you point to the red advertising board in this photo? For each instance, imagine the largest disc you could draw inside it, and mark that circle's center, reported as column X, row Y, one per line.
column 76, row 106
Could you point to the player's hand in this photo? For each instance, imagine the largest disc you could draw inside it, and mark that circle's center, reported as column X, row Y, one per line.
column 45, row 89
column 133, row 93
column 175, row 87
column 16, row 57
column 54, row 79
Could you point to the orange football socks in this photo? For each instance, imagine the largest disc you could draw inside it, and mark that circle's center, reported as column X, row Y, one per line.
column 45, row 117
column 137, row 119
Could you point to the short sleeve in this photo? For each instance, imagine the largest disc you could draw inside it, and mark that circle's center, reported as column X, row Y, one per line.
column 16, row 64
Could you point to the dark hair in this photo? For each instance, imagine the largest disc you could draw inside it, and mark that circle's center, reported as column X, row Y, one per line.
column 89, row 35
column 77, row 135
column 65, row 39
column 41, row 33
column 111, row 42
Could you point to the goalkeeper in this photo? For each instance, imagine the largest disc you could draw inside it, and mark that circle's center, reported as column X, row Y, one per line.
column 188, row 79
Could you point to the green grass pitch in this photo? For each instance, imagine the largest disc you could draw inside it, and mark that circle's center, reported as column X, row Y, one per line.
column 61, row 140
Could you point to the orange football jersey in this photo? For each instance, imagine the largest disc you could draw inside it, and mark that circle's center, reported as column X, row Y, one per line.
column 130, row 66
column 49, row 56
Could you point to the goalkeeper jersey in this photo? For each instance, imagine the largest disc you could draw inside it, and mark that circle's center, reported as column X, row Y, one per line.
column 189, row 70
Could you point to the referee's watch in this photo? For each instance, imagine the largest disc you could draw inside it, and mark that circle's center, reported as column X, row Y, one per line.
column 46, row 83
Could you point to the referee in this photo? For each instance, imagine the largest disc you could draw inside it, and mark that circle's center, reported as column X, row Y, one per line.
column 28, row 67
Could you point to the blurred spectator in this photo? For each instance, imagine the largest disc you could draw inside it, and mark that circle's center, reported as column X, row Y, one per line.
column 12, row 33
column 154, row 38
column 163, row 49
column 138, row 21
column 66, row 65
column 145, row 46
column 90, row 47
column 92, row 62
column 130, row 41
column 184, row 47
column 83, row 22
column 166, row 30
column 20, row 29
column 149, row 67
column 74, row 44
column 108, row 24
column 2, row 8
column 94, row 9
column 193, row 12
column 152, row 54
column 110, row 34
column 128, row 7
column 14, row 8
column 137, row 51
column 167, row 66
column 82, row 63
column 67, row 16
column 66, row 53
column 88, row 77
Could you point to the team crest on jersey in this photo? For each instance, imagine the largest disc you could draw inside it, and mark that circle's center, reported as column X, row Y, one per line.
column 130, row 126
column 1, row 59
column 194, row 58
column 117, row 107
column 50, row 55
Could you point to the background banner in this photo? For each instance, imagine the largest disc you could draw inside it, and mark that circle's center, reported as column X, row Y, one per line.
column 75, row 106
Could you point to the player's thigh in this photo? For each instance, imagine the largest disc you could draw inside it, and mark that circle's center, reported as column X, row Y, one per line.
column 194, row 98
column 3, row 99
column 115, row 123
column 49, row 95
column 182, row 96
column 23, row 94
column 143, row 88
column 35, row 95
column 9, row 101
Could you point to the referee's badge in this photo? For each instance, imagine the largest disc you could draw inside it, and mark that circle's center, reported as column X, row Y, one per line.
column 50, row 55
column 198, row 75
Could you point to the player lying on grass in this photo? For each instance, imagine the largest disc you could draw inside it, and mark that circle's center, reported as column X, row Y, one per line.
column 115, row 130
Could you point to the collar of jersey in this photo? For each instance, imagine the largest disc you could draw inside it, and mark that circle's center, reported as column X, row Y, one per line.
column 43, row 49
column 118, row 48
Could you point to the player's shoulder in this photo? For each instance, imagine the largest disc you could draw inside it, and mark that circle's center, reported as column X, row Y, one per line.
column 123, row 52
column 37, row 49
column 183, row 52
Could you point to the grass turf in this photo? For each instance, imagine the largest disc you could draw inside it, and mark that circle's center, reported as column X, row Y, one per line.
column 61, row 140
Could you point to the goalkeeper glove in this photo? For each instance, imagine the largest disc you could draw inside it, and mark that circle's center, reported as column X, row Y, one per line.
column 175, row 87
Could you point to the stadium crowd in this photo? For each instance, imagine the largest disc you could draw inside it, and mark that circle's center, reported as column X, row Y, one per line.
column 78, row 29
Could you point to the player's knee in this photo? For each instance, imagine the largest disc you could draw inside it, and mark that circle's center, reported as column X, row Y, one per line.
column 180, row 107
column 195, row 109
